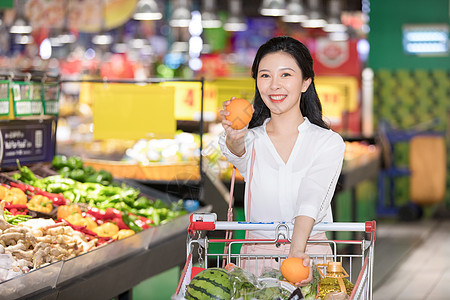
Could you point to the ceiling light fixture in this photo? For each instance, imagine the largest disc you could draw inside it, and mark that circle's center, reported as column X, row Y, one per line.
column 273, row 8
column 295, row 12
column 235, row 21
column 316, row 16
column 334, row 23
column 66, row 37
column 23, row 39
column 147, row 10
column 20, row 25
column 181, row 15
column 209, row 16
column 102, row 38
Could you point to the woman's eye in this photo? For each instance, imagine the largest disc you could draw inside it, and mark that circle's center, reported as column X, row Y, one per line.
column 285, row 74
column 264, row 75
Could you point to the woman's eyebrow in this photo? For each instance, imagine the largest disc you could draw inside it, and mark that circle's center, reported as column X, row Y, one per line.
column 287, row 68
column 282, row 69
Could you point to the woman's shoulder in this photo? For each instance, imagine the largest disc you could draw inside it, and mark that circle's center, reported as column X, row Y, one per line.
column 257, row 131
column 325, row 135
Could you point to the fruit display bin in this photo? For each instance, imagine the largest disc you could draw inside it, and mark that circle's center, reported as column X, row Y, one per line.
column 154, row 171
column 108, row 270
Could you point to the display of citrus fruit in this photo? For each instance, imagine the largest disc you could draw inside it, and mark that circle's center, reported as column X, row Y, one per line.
column 241, row 112
column 293, row 270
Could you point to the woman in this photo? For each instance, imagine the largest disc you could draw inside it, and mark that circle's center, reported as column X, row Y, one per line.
column 297, row 158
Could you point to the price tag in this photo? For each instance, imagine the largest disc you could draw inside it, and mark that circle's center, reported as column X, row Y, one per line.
column 4, row 98
column 22, row 92
column 36, row 98
column 50, row 96
column 29, row 141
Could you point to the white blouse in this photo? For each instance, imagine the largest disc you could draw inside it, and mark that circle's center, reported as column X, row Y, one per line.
column 303, row 186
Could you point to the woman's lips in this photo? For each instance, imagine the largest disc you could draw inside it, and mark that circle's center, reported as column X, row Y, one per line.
column 277, row 98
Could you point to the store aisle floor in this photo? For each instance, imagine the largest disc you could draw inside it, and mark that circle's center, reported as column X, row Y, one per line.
column 412, row 260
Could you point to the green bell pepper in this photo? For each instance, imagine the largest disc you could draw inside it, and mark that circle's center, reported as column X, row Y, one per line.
column 75, row 162
column 59, row 161
column 78, row 175
column 89, row 170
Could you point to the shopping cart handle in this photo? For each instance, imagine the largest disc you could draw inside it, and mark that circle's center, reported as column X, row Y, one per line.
column 203, row 221
column 208, row 221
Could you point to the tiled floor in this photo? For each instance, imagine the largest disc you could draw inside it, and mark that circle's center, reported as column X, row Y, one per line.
column 412, row 261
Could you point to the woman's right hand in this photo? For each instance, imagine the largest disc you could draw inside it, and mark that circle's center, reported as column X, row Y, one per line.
column 226, row 124
column 235, row 137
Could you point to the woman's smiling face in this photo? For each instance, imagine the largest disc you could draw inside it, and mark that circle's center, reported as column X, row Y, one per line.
column 280, row 82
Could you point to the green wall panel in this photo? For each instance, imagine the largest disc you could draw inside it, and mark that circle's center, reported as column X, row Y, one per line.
column 411, row 98
column 386, row 20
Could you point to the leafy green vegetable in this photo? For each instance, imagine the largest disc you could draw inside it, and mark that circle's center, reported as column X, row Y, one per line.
column 124, row 198
column 15, row 219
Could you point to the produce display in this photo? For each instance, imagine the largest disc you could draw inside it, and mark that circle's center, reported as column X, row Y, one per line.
column 57, row 217
column 183, row 147
column 359, row 153
column 33, row 243
column 178, row 158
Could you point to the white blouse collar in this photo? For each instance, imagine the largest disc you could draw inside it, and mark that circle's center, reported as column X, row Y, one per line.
column 305, row 124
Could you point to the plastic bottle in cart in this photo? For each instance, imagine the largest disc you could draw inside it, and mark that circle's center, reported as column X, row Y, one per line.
column 334, row 281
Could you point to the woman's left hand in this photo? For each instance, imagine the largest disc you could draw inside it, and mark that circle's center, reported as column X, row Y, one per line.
column 306, row 263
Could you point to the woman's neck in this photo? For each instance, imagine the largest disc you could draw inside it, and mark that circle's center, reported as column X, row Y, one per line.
column 284, row 124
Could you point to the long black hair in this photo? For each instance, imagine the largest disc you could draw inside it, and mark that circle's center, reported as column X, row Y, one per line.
column 310, row 105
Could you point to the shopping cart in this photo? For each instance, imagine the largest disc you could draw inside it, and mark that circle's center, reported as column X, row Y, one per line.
column 355, row 255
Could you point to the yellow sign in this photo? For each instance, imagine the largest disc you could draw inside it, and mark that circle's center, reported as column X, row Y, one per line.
column 130, row 111
column 210, row 101
column 337, row 95
column 188, row 100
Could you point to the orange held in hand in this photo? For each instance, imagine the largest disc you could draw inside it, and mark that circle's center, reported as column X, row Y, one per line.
column 293, row 270
column 241, row 112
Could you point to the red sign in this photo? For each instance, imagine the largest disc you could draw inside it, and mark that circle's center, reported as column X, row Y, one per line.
column 335, row 57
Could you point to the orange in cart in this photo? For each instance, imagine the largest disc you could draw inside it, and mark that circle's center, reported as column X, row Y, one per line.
column 293, row 270
column 241, row 112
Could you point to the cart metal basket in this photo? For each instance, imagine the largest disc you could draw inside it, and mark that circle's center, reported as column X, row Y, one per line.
column 356, row 255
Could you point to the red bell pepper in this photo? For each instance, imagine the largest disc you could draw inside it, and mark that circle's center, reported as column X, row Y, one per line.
column 120, row 223
column 112, row 213
column 16, row 209
column 98, row 214
column 143, row 222
column 57, row 199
